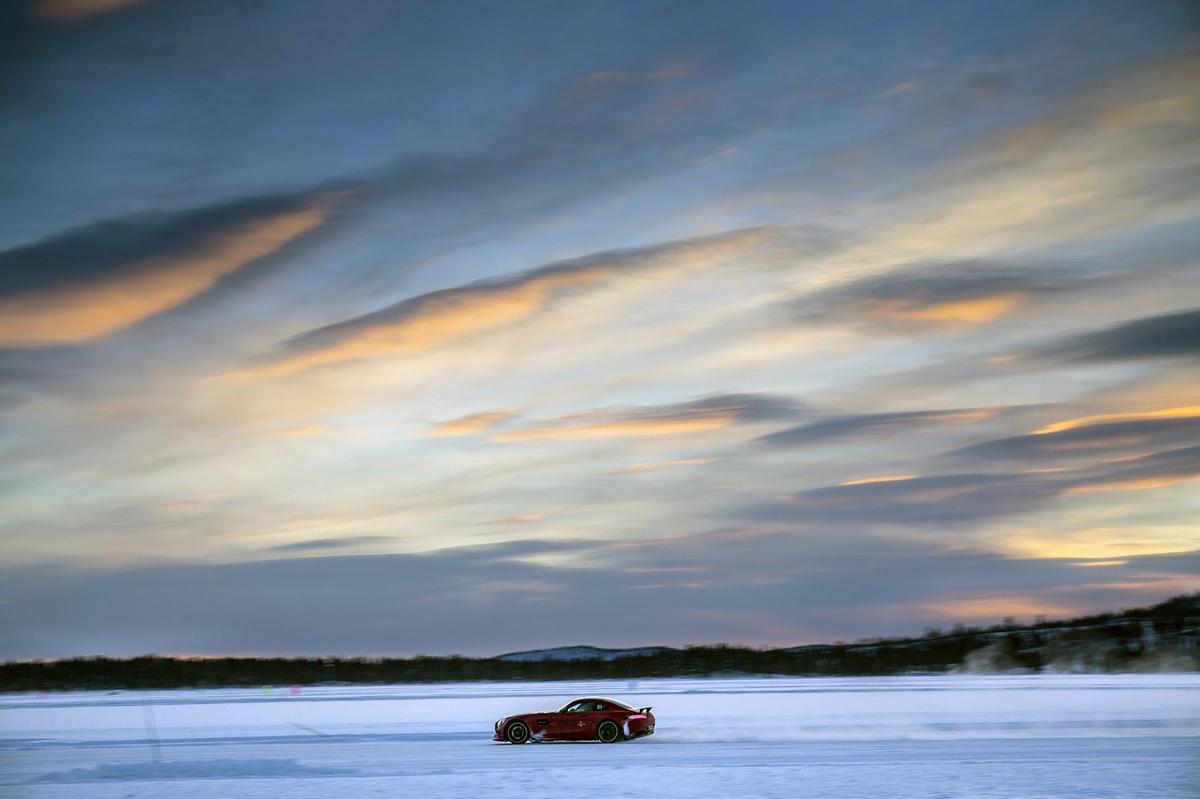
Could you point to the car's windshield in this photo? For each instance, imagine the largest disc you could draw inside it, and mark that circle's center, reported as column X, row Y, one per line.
column 578, row 706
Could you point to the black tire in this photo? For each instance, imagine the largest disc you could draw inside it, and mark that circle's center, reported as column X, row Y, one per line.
column 608, row 732
column 516, row 733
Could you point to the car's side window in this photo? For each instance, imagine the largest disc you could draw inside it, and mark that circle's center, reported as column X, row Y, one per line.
column 600, row 706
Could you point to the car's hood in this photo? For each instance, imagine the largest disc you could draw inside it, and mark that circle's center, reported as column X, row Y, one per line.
column 530, row 713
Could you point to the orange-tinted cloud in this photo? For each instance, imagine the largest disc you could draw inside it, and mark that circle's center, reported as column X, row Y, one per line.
column 931, row 294
column 591, row 424
column 1079, row 439
column 654, row 466
column 699, row 416
column 1132, row 484
column 522, row 518
column 470, row 424
column 89, row 308
column 1093, row 544
column 440, row 318
column 969, row 311
column 891, row 478
column 1186, row 412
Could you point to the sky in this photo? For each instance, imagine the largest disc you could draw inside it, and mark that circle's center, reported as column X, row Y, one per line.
column 390, row 328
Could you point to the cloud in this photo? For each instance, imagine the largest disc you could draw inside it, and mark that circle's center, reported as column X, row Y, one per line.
column 1174, row 335
column 1187, row 412
column 708, row 588
column 940, row 294
column 701, row 415
column 440, row 318
column 1090, row 441
column 1115, row 160
column 325, row 544
column 597, row 82
column 908, row 500
column 654, row 466
column 1136, row 474
column 309, row 431
column 471, row 424
column 523, row 518
column 1106, row 542
column 886, row 478
column 938, row 498
column 857, row 424
column 91, row 282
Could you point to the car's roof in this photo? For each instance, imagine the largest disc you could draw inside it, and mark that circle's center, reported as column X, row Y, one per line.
column 600, row 699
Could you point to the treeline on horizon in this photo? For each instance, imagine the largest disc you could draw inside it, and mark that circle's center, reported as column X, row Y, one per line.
column 1163, row 637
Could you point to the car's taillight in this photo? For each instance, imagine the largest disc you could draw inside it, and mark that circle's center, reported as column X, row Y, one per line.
column 637, row 716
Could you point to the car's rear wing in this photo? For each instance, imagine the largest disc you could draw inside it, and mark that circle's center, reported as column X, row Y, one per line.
column 644, row 709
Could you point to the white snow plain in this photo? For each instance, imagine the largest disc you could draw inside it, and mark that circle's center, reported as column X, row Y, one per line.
column 1072, row 736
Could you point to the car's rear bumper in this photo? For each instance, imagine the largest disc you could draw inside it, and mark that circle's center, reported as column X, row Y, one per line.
column 639, row 728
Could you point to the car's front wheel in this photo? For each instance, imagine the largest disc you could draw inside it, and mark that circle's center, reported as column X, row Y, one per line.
column 516, row 733
column 608, row 732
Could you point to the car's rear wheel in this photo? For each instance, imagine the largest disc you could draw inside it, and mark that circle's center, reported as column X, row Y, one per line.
column 516, row 733
column 608, row 732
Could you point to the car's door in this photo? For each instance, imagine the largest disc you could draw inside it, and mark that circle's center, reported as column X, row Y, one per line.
column 605, row 710
column 574, row 723
column 599, row 712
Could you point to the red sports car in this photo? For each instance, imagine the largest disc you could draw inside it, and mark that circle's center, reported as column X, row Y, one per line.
column 593, row 718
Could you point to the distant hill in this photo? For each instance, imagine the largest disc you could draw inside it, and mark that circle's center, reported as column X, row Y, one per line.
column 1164, row 637
column 581, row 653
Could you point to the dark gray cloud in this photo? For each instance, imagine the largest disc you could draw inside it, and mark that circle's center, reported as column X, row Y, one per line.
column 940, row 292
column 962, row 498
column 1158, row 467
column 936, row 499
column 110, row 247
column 21, row 376
column 706, row 413
column 485, row 600
column 1091, row 441
column 560, row 137
column 1174, row 335
column 746, row 406
column 325, row 544
column 859, row 423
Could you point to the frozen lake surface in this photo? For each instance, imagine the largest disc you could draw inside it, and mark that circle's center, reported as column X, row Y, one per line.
column 1094, row 736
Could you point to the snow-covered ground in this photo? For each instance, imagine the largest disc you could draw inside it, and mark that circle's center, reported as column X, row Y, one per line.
column 1123, row 736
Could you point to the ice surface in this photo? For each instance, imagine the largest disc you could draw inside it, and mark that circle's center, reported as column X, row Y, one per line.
column 1065, row 736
